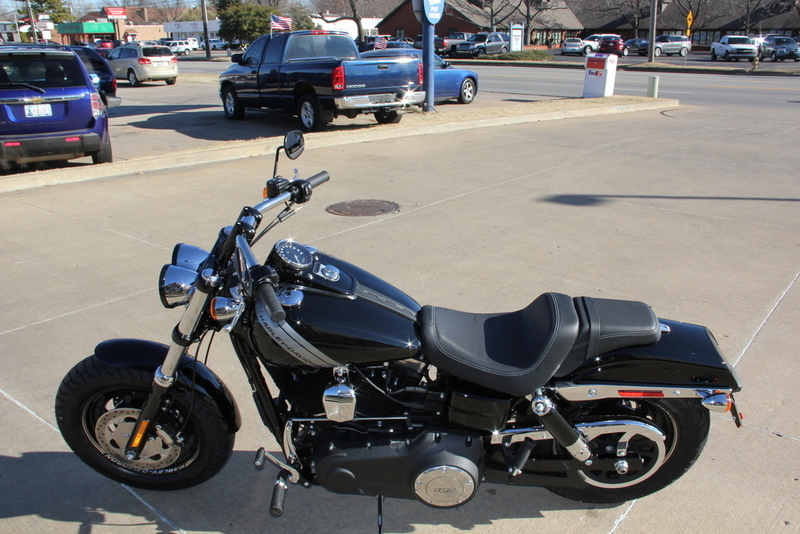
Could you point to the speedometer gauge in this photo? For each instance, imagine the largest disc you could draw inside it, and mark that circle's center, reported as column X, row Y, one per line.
column 293, row 254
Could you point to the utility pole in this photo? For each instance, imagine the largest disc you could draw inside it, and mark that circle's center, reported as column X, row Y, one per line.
column 653, row 15
column 32, row 21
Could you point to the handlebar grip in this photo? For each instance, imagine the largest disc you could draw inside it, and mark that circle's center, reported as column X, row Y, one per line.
column 267, row 295
column 319, row 178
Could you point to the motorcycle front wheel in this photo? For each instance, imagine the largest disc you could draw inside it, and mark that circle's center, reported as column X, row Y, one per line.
column 685, row 425
column 97, row 406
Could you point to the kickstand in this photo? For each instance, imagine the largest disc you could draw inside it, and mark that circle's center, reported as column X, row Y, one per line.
column 380, row 514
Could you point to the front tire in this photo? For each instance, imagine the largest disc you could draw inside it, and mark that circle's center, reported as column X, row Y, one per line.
column 467, row 93
column 98, row 404
column 657, row 52
column 233, row 108
column 685, row 425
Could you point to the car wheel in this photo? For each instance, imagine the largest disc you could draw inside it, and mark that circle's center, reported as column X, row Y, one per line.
column 233, row 108
column 309, row 113
column 133, row 80
column 186, row 52
column 587, row 50
column 727, row 56
column 625, row 51
column 171, row 81
column 480, row 52
column 103, row 155
column 774, row 57
column 683, row 52
column 388, row 116
column 713, row 56
column 503, row 50
column 467, row 93
column 657, row 52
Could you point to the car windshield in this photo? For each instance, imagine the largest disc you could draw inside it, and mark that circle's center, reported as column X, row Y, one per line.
column 45, row 72
column 478, row 38
column 572, row 41
column 784, row 41
column 156, row 51
column 739, row 40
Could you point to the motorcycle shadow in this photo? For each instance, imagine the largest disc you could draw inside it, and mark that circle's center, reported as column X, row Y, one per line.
column 57, row 486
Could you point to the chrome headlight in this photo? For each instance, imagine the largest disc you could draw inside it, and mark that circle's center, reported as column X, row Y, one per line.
column 176, row 281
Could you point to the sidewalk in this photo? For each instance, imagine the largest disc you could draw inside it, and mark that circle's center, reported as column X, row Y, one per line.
column 489, row 219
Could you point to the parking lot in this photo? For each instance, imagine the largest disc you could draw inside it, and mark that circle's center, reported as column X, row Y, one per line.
column 692, row 209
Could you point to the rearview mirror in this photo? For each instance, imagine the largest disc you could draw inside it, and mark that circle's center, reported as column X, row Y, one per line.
column 294, row 144
column 237, row 58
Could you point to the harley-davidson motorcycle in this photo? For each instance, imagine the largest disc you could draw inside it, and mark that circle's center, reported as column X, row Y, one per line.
column 370, row 393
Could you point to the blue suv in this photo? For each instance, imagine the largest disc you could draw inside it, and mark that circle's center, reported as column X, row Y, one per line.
column 49, row 107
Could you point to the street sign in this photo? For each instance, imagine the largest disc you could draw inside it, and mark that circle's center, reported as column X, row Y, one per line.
column 689, row 20
column 430, row 10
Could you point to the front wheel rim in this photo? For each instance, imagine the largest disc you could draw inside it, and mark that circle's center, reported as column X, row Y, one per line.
column 307, row 115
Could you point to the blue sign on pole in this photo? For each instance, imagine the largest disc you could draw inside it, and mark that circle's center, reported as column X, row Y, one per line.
column 434, row 9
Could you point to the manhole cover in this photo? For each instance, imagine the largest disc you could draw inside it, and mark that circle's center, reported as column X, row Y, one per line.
column 363, row 208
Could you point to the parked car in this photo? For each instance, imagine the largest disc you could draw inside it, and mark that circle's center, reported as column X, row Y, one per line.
column 669, row 45
column 592, row 43
column 179, row 48
column 572, row 45
column 734, row 48
column 389, row 44
column 50, row 108
column 97, row 67
column 193, row 44
column 634, row 44
column 449, row 83
column 613, row 44
column 451, row 42
column 777, row 47
column 138, row 64
column 484, row 43
column 214, row 44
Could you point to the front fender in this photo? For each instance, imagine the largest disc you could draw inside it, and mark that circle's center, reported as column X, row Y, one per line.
column 687, row 355
column 191, row 374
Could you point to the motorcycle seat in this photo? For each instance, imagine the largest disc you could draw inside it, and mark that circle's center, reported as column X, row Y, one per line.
column 512, row 353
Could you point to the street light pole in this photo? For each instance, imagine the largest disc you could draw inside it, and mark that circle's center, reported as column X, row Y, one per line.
column 205, row 28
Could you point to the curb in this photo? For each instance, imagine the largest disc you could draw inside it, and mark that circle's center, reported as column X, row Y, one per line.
column 260, row 147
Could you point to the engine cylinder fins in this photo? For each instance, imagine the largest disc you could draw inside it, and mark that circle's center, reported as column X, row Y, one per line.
column 445, row 486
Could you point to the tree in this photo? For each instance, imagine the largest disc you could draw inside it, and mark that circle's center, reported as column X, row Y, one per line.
column 530, row 9
column 632, row 11
column 55, row 8
column 354, row 10
column 245, row 22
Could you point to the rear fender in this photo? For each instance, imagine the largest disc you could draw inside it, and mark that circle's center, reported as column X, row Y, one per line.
column 191, row 374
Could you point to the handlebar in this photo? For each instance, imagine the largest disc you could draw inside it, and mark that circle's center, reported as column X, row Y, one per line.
column 267, row 295
column 268, row 204
column 319, row 179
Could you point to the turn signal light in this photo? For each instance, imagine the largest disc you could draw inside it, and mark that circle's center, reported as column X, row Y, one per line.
column 630, row 393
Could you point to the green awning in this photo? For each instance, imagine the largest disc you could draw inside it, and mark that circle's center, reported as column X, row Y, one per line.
column 85, row 27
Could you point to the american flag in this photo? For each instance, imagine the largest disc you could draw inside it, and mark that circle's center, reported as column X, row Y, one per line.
column 280, row 23
column 380, row 43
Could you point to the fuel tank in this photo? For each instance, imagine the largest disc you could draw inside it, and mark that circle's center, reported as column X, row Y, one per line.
column 336, row 313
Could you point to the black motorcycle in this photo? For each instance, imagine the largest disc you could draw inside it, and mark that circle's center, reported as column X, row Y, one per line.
column 597, row 400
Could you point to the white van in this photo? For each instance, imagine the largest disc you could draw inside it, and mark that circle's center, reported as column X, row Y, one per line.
column 179, row 47
column 193, row 43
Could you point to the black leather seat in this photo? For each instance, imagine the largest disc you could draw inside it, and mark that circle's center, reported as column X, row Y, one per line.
column 513, row 353
column 517, row 352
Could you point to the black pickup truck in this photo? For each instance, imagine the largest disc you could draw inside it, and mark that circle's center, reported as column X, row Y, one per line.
column 319, row 76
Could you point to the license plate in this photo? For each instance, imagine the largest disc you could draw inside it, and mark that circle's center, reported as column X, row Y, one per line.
column 381, row 99
column 38, row 110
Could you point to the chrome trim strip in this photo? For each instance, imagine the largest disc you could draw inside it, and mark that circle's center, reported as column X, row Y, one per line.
column 364, row 101
column 43, row 99
column 582, row 392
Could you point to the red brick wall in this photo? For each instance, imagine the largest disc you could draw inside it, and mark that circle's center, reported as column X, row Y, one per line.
column 404, row 19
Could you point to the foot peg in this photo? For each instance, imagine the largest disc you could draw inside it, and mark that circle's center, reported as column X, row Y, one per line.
column 279, row 494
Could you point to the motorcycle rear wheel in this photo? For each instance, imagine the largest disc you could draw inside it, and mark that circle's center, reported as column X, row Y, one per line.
column 97, row 406
column 685, row 425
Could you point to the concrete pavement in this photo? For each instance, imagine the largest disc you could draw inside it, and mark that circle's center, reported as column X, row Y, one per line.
column 663, row 206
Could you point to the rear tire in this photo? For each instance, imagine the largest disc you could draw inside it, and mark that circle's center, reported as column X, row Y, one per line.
column 308, row 111
column 685, row 424
column 388, row 117
column 97, row 404
column 103, row 155
column 133, row 80
column 171, row 81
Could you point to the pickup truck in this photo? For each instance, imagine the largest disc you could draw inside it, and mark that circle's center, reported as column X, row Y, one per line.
column 734, row 47
column 319, row 76
column 451, row 42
